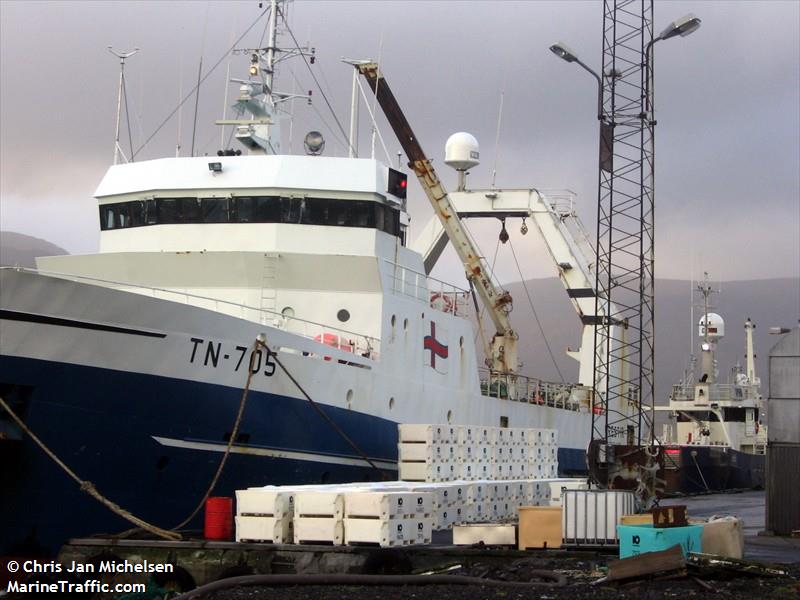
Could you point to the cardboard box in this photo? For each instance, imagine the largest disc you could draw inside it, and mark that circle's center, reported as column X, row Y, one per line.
column 644, row 519
column 540, row 527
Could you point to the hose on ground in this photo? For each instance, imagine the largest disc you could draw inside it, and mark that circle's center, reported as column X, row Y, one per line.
column 551, row 578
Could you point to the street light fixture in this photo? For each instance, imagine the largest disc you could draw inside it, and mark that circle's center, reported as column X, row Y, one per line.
column 682, row 27
column 564, row 52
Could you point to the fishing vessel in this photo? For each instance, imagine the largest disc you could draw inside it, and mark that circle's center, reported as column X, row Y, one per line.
column 715, row 438
column 279, row 288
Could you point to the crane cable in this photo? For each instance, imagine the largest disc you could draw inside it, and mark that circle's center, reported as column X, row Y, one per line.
column 535, row 315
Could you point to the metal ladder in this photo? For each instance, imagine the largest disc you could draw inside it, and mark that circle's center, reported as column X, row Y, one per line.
column 269, row 291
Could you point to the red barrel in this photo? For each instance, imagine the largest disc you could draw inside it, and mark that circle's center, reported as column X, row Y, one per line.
column 219, row 519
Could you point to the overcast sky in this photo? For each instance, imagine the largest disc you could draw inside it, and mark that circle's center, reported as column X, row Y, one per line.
column 728, row 100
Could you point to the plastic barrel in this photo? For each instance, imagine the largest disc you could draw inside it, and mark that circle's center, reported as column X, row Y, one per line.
column 219, row 519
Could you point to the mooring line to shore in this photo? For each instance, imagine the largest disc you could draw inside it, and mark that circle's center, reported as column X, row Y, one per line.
column 87, row 486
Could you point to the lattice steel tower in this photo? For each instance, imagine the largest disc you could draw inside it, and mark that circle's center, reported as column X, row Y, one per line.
column 624, row 385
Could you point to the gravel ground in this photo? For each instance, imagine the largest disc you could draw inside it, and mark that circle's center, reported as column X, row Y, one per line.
column 579, row 575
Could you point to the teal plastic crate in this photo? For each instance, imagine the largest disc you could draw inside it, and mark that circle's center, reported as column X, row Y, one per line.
column 639, row 539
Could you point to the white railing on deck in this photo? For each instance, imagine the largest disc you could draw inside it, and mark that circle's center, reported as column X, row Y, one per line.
column 438, row 294
column 716, row 392
column 519, row 388
column 330, row 335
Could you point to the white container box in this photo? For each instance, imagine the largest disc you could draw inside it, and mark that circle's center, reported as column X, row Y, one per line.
column 491, row 535
column 320, row 503
column 419, row 471
column 429, row 434
column 590, row 517
column 415, row 451
column 468, row 435
column 315, row 530
column 388, row 532
column 273, row 502
column 263, row 529
column 387, row 505
column 469, row 470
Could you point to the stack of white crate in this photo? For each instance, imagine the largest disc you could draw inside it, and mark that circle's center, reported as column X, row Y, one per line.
column 437, row 453
column 388, row 518
column 265, row 515
column 319, row 515
column 428, row 453
column 542, row 453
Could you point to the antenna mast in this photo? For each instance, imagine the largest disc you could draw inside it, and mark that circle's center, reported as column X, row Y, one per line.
column 121, row 56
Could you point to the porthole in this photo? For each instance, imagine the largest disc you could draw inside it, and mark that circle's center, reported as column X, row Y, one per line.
column 405, row 324
column 391, row 403
column 394, row 320
column 461, row 342
column 449, row 416
column 349, row 398
column 343, row 315
column 287, row 312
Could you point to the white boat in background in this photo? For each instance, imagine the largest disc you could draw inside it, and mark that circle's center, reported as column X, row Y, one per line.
column 130, row 363
column 715, row 438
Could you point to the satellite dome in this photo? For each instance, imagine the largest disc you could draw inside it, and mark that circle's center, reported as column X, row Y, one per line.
column 461, row 151
column 716, row 326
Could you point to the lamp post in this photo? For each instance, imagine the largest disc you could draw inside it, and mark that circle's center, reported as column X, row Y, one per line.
column 644, row 155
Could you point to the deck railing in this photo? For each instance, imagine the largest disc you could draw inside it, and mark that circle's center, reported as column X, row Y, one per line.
column 330, row 335
column 520, row 388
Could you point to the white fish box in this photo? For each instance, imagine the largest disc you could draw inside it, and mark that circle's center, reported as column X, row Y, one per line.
column 482, row 511
column 414, row 451
column 500, row 453
column 489, row 534
column 519, row 453
column 590, row 517
column 388, row 505
column 420, row 471
column 315, row 530
column 543, row 437
column 519, row 490
column 263, row 529
column 468, row 435
column 463, row 513
column 429, row 434
column 468, row 470
column 444, row 494
column 555, row 488
column 520, row 470
column 500, row 471
column 261, row 501
column 481, row 491
column 320, row 503
column 468, row 452
column 388, row 532
column 463, row 491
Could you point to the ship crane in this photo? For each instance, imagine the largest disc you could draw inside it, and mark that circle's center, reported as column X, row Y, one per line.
column 503, row 350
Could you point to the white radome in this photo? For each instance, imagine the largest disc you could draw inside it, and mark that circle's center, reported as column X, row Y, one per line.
column 461, row 151
column 716, row 326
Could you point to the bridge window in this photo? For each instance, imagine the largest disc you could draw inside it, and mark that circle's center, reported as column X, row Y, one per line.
column 252, row 209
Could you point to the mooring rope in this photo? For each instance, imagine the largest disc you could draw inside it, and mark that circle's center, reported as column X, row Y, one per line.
column 87, row 486
column 263, row 342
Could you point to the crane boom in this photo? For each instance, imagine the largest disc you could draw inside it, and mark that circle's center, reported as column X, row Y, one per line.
column 498, row 302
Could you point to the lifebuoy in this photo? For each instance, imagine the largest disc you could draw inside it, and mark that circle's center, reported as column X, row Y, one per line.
column 446, row 300
column 334, row 341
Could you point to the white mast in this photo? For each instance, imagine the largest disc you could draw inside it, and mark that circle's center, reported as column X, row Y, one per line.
column 121, row 56
column 750, row 355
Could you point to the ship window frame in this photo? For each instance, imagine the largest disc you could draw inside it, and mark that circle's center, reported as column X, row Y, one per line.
column 298, row 210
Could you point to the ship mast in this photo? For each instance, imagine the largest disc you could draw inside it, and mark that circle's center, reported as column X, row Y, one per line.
column 121, row 56
column 261, row 133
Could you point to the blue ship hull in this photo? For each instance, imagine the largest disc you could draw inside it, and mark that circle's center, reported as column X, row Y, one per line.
column 105, row 425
